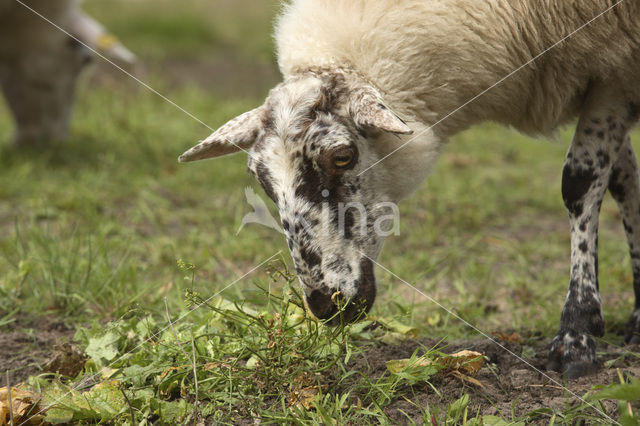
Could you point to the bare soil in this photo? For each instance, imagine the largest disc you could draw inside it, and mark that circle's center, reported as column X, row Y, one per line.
column 27, row 346
column 510, row 387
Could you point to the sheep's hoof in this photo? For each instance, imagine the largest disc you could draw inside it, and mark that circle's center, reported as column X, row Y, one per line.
column 572, row 354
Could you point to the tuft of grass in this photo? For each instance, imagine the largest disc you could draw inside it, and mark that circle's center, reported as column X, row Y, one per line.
column 229, row 361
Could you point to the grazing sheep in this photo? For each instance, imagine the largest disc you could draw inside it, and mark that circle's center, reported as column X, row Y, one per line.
column 39, row 64
column 360, row 76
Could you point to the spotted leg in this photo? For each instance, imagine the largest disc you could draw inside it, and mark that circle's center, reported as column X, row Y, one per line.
column 602, row 128
column 625, row 189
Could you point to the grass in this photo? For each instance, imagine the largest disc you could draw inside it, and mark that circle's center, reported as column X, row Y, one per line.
column 91, row 230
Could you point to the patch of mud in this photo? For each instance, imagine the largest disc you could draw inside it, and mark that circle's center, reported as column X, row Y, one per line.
column 510, row 387
column 26, row 346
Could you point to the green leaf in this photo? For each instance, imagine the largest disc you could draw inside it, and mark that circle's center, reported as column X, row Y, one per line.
column 456, row 410
column 102, row 403
column 103, row 347
column 497, row 421
column 623, row 392
column 171, row 412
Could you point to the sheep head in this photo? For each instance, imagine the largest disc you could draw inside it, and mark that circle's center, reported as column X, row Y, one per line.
column 308, row 147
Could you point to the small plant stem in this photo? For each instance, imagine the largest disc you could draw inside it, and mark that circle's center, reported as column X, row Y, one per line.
column 10, row 402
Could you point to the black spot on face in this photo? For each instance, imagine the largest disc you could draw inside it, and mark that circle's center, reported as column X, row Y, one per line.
column 266, row 181
column 310, row 257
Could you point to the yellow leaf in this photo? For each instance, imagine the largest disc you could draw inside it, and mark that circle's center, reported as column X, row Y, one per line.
column 23, row 405
column 396, row 326
column 466, row 378
column 397, row 365
column 107, row 372
column 469, row 362
column 513, row 337
column 170, row 369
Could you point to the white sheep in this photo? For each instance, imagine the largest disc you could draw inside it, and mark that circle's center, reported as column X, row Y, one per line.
column 374, row 88
column 39, row 63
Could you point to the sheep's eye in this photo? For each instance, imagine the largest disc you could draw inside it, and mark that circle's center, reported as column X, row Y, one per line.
column 343, row 158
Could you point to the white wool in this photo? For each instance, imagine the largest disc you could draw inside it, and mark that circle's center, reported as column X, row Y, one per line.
column 428, row 57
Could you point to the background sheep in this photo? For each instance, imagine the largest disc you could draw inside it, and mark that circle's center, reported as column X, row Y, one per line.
column 39, row 64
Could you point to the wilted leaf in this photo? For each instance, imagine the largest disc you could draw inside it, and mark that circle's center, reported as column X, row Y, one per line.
column 396, row 327
column 395, row 366
column 513, row 337
column 24, row 405
column 303, row 397
column 469, row 362
column 466, row 378
column 214, row 365
column 173, row 368
column 66, row 360
column 464, row 363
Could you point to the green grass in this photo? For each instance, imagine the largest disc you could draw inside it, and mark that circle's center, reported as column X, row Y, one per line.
column 91, row 230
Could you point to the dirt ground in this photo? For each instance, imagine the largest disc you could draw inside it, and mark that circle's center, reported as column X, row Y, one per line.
column 510, row 387
column 26, row 346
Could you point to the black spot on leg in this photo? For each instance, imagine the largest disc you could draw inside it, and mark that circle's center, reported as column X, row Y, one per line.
column 588, row 131
column 616, row 188
column 575, row 184
column 600, row 134
column 583, row 246
column 603, row 158
column 583, row 225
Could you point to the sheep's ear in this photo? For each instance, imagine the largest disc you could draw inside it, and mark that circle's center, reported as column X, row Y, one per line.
column 237, row 135
column 368, row 110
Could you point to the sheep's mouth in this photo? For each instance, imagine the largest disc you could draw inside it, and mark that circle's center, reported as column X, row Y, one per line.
column 334, row 309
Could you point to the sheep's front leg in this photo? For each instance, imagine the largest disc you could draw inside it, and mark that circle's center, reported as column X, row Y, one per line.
column 594, row 149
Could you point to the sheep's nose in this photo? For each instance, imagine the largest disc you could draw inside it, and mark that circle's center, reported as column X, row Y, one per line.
column 320, row 304
column 325, row 307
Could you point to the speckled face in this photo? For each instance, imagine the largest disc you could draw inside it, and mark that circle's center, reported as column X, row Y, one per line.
column 307, row 146
column 307, row 159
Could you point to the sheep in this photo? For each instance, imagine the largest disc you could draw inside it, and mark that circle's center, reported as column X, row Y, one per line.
column 39, row 63
column 372, row 91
